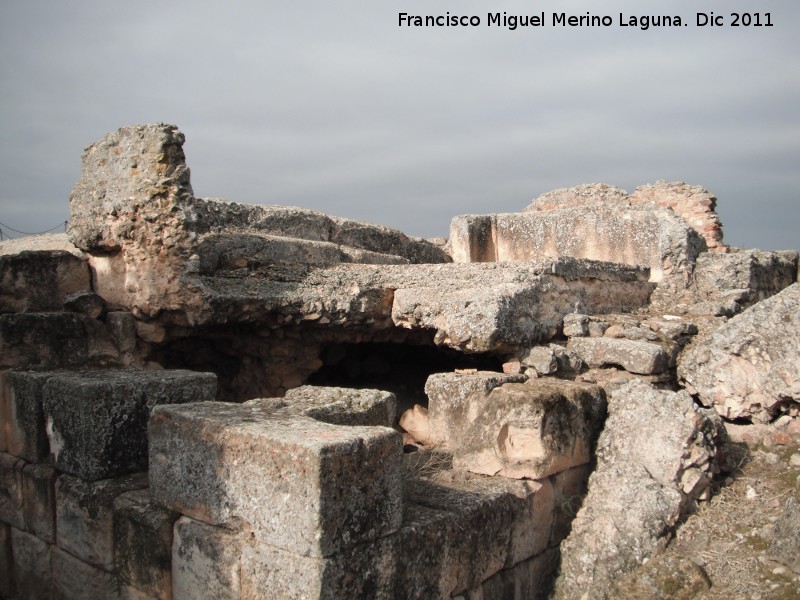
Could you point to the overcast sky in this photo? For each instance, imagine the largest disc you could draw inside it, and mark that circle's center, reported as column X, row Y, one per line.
column 330, row 105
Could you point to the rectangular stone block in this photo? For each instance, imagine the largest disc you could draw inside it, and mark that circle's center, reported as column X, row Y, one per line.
column 475, row 541
column 39, row 281
column 364, row 571
column 53, row 340
column 307, row 487
column 529, row 580
column 39, row 501
column 143, row 544
column 635, row 356
column 206, row 561
column 8, row 588
column 76, row 580
column 451, row 399
column 85, row 516
column 26, row 435
column 31, row 566
column 97, row 420
column 11, row 497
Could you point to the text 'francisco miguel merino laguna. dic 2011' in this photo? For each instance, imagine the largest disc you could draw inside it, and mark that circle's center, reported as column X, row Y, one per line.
column 560, row 19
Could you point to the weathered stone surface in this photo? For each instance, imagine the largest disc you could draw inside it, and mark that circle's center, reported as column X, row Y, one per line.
column 87, row 303
column 784, row 546
column 143, row 544
column 750, row 367
column 25, row 429
column 587, row 194
column 693, row 203
column 53, row 340
column 85, row 516
column 635, row 356
column 641, row 236
column 220, row 462
column 530, row 430
column 39, row 501
column 73, row 578
column 415, row 422
column 122, row 329
column 11, row 496
column 365, row 571
column 343, row 406
column 542, row 359
column 576, row 325
column 659, row 448
column 452, row 398
column 8, row 587
column 529, row 580
column 206, row 561
column 743, row 277
column 664, row 577
column 32, row 564
column 39, row 281
column 97, row 420
column 569, row 491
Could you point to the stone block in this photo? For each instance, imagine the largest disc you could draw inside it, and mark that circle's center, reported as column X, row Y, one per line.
column 635, row 356
column 39, row 501
column 97, row 420
column 39, row 281
column 344, row 406
column 8, row 587
column 364, row 571
column 31, row 566
column 206, row 562
column 11, row 496
column 53, row 340
column 87, row 303
column 422, row 563
column 302, row 485
column 452, row 398
column 576, row 325
column 529, row 580
column 474, row 541
column 541, row 358
column 526, row 430
column 85, row 516
column 76, row 580
column 143, row 544
column 26, row 435
column 569, row 490
column 122, row 329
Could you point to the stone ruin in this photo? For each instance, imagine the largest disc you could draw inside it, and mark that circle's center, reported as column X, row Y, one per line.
column 203, row 399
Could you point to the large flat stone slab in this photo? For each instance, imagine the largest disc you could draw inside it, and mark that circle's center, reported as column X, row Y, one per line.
column 304, row 486
column 635, row 356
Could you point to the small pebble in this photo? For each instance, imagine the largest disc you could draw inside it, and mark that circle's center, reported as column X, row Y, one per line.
column 779, row 570
column 794, row 459
column 750, row 494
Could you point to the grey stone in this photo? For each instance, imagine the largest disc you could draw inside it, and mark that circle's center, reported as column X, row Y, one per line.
column 576, row 325
column 32, row 566
column 74, row 579
column 11, row 496
column 528, row 580
column 206, row 561
column 541, row 358
column 39, row 281
column 85, row 516
column 749, row 368
column 450, row 398
column 122, row 329
column 143, row 544
column 87, row 303
column 25, row 430
column 97, row 420
column 587, row 194
column 530, row 430
column 222, row 463
column 54, row 340
column 39, row 501
column 344, row 406
column 659, row 448
column 663, row 577
column 784, row 545
column 635, row 356
column 8, row 586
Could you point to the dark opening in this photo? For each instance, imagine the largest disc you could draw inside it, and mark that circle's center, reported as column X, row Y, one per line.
column 398, row 368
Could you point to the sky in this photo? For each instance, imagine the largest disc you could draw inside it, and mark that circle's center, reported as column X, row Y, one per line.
column 333, row 106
